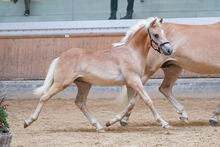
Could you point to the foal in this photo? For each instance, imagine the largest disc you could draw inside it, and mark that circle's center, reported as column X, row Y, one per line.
column 124, row 65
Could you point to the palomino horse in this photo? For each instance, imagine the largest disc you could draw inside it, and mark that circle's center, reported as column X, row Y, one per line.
column 196, row 49
column 122, row 65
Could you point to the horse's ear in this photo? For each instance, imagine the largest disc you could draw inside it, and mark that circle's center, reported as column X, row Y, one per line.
column 153, row 23
column 161, row 20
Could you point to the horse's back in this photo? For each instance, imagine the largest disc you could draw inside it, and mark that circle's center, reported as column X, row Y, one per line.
column 174, row 26
column 197, row 46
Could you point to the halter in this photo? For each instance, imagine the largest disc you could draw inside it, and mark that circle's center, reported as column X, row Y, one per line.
column 157, row 44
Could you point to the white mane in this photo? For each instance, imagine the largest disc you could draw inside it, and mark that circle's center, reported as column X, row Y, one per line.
column 134, row 28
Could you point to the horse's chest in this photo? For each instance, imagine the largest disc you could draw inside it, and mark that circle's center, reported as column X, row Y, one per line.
column 135, row 65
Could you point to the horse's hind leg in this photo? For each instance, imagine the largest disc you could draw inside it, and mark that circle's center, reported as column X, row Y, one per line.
column 54, row 89
column 214, row 120
column 83, row 91
column 128, row 109
column 171, row 74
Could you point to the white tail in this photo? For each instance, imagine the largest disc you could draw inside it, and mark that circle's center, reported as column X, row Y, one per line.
column 122, row 100
column 49, row 79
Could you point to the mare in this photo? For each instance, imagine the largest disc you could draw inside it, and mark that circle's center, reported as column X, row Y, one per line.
column 123, row 65
column 196, row 49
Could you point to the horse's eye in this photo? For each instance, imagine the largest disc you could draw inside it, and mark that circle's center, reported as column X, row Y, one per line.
column 156, row 36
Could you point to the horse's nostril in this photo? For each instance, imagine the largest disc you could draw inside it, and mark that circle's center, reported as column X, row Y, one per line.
column 167, row 51
column 170, row 51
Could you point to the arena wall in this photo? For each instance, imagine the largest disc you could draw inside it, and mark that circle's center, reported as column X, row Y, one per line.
column 29, row 58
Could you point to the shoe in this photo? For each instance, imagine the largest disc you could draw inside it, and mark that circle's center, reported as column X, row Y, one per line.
column 112, row 16
column 27, row 13
column 127, row 16
column 15, row 1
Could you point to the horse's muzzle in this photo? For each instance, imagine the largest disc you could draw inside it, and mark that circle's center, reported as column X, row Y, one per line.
column 166, row 50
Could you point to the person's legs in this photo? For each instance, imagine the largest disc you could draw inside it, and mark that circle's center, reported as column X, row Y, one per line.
column 130, row 10
column 114, row 8
column 27, row 7
column 130, row 6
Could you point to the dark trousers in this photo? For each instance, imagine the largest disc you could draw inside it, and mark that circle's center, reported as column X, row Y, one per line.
column 27, row 4
column 114, row 6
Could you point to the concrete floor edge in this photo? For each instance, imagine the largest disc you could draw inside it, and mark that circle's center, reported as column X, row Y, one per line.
column 183, row 88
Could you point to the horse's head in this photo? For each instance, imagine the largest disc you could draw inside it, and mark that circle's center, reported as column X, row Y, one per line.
column 158, row 39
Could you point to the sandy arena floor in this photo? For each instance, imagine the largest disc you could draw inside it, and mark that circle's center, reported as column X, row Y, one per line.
column 61, row 124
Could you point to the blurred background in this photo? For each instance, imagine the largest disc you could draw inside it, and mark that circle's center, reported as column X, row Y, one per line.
column 71, row 10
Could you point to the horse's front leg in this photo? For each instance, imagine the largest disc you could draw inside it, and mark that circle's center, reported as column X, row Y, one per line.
column 135, row 82
column 171, row 74
column 124, row 121
column 214, row 119
column 131, row 94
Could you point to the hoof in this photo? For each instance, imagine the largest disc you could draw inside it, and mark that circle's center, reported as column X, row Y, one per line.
column 184, row 119
column 25, row 125
column 213, row 122
column 166, row 126
column 123, row 123
column 101, row 131
column 108, row 124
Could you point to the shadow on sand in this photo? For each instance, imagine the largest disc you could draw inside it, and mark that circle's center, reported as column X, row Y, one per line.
column 136, row 127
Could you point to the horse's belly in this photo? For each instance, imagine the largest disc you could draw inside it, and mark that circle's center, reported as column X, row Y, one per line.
column 206, row 70
column 104, row 80
column 202, row 68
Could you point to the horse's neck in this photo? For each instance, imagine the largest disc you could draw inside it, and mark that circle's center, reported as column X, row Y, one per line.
column 138, row 41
